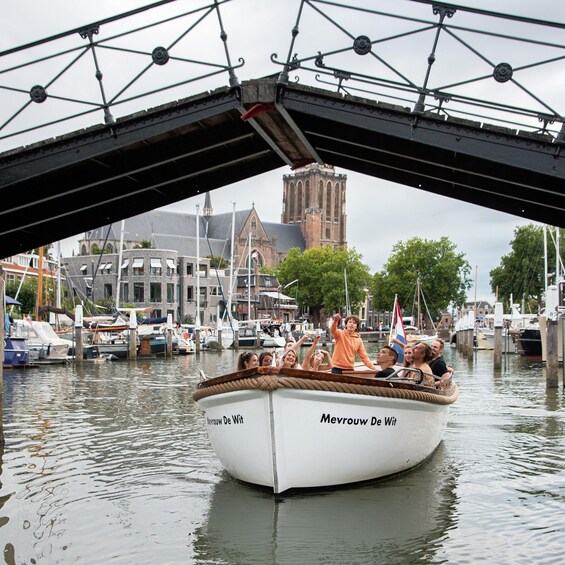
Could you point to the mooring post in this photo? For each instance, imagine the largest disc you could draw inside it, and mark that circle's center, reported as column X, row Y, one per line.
column 132, row 350
column 169, row 351
column 551, row 362
column 469, row 335
column 79, row 355
column 561, row 322
column 2, row 336
column 498, row 335
column 551, row 337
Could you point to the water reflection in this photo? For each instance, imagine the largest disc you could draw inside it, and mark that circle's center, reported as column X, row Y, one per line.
column 118, row 453
column 400, row 520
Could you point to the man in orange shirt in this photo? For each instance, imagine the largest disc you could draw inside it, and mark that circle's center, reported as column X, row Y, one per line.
column 348, row 343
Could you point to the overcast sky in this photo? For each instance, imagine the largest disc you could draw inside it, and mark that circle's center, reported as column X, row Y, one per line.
column 379, row 213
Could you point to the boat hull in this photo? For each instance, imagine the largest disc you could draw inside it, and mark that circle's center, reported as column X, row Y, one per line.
column 530, row 342
column 293, row 438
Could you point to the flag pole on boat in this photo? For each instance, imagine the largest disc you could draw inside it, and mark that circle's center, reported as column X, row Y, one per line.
column 347, row 306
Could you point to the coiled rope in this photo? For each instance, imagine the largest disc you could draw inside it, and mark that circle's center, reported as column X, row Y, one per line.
column 271, row 382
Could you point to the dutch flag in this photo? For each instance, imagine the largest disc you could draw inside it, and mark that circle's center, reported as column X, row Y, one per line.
column 397, row 331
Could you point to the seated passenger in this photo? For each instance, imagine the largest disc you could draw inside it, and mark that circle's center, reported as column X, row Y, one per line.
column 247, row 360
column 268, row 359
column 386, row 359
column 290, row 360
column 437, row 363
column 422, row 354
column 314, row 360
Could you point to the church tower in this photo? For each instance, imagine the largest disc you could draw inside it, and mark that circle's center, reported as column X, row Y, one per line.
column 314, row 198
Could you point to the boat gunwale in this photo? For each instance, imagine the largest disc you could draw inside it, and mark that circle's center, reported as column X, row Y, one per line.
column 316, row 380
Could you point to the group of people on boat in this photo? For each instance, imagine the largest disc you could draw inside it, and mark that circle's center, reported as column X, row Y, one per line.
column 421, row 359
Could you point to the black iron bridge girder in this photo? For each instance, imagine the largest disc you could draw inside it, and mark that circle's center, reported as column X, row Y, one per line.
column 516, row 173
column 87, row 179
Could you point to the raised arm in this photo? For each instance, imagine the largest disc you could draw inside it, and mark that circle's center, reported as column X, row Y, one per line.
column 327, row 366
column 306, row 363
column 335, row 323
column 298, row 344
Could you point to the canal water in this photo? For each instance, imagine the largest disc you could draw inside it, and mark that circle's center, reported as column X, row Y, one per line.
column 110, row 463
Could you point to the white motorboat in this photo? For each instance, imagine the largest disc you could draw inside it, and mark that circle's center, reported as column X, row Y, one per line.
column 44, row 345
column 304, row 429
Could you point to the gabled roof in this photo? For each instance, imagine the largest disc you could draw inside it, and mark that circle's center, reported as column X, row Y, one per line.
column 288, row 236
column 177, row 231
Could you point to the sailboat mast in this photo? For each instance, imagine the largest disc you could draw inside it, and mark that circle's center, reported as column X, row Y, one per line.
column 419, row 306
column 545, row 259
column 120, row 251
column 58, row 295
column 230, row 290
column 197, row 321
column 249, row 279
column 39, row 301
column 347, row 308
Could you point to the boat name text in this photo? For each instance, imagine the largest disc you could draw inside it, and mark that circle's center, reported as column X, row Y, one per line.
column 373, row 421
column 234, row 419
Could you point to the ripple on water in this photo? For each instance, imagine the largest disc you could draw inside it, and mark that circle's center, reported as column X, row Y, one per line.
column 118, row 453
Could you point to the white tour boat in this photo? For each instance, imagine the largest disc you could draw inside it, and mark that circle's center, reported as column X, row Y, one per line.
column 301, row 429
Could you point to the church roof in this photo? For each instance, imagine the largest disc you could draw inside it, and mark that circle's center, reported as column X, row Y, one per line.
column 177, row 231
column 288, row 236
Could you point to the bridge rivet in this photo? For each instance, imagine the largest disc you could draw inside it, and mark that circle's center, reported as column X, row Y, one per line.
column 362, row 45
column 38, row 94
column 160, row 56
column 502, row 72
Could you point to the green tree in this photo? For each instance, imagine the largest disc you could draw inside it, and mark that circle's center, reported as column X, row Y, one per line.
column 443, row 276
column 217, row 262
column 520, row 275
column 321, row 278
column 27, row 295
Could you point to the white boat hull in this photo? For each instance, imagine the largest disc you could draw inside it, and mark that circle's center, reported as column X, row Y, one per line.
column 293, row 438
column 421, row 338
column 270, row 341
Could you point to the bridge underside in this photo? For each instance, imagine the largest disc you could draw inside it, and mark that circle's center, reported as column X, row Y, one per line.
column 86, row 179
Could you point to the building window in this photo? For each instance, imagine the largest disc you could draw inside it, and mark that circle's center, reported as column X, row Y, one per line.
column 137, row 267
column 203, row 294
column 155, row 269
column 336, row 204
column 125, row 292
column 190, row 293
column 170, row 292
column 204, row 271
column 155, row 292
column 254, row 223
column 189, row 269
column 138, row 292
column 329, row 202
column 107, row 290
column 124, row 268
column 171, row 268
column 291, row 196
